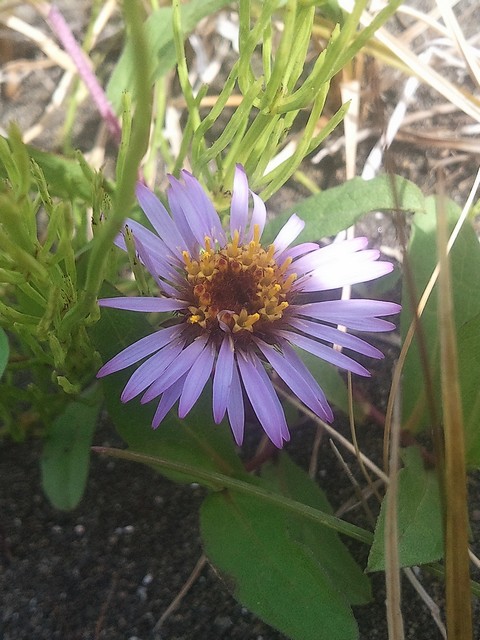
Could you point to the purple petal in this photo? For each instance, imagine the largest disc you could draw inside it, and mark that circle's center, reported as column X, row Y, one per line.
column 151, row 370
column 181, row 365
column 239, row 204
column 354, row 314
column 296, row 375
column 145, row 304
column 177, row 201
column 139, row 350
column 335, row 252
column 259, row 216
column 222, row 378
column 287, row 234
column 160, row 219
column 209, row 217
column 264, row 400
column 326, row 353
column 196, row 380
column 235, row 407
column 297, row 251
column 168, row 399
column 153, row 269
column 335, row 336
column 190, row 205
column 338, row 275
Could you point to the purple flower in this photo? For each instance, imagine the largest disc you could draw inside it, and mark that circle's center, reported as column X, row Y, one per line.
column 241, row 308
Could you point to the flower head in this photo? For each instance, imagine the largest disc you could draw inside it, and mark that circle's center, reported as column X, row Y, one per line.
column 241, row 308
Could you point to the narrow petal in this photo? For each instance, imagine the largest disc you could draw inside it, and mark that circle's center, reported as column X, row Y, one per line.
column 235, row 407
column 176, row 201
column 335, row 252
column 196, row 380
column 222, row 378
column 239, row 205
column 352, row 272
column 296, row 375
column 168, row 399
column 354, row 314
column 287, row 234
column 191, row 206
column 264, row 400
column 145, row 304
column 297, row 251
column 210, row 218
column 326, row 353
column 335, row 336
column 139, row 350
column 259, row 216
column 152, row 268
column 151, row 370
column 160, row 219
column 181, row 365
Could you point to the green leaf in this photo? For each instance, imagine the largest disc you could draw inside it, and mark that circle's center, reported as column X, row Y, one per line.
column 4, row 351
column 64, row 176
column 195, row 440
column 465, row 273
column 330, row 211
column 468, row 346
column 66, row 453
column 288, row 479
column 420, row 533
column 159, row 35
column 280, row 578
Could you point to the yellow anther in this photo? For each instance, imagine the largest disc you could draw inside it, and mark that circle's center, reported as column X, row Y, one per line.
column 286, row 263
column 208, row 244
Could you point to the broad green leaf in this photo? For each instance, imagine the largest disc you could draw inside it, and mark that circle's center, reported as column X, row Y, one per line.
column 194, row 440
column 4, row 351
column 288, row 479
column 420, row 533
column 330, row 211
column 66, row 453
column 465, row 275
column 159, row 35
column 468, row 346
column 274, row 576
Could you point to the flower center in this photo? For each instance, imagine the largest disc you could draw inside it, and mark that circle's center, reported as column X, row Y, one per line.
column 240, row 286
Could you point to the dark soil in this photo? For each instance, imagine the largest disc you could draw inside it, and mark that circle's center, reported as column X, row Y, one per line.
column 109, row 569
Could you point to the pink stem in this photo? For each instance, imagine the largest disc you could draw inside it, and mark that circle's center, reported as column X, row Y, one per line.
column 63, row 32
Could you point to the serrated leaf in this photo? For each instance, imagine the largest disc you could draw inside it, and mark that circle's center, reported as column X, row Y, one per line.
column 420, row 533
column 330, row 211
column 194, row 440
column 159, row 36
column 271, row 574
column 66, row 452
column 468, row 346
column 4, row 351
column 465, row 274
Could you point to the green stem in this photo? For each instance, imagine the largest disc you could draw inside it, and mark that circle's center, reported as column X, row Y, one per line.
column 219, row 481
column 124, row 193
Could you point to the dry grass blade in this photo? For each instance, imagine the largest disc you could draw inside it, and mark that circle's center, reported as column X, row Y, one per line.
column 392, row 562
column 458, row 594
column 452, row 23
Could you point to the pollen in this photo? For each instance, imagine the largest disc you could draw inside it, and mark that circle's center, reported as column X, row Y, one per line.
column 239, row 287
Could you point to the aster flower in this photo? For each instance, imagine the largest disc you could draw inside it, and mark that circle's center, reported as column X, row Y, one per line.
column 240, row 308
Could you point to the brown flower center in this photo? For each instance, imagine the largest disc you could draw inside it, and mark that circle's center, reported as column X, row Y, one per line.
column 241, row 286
